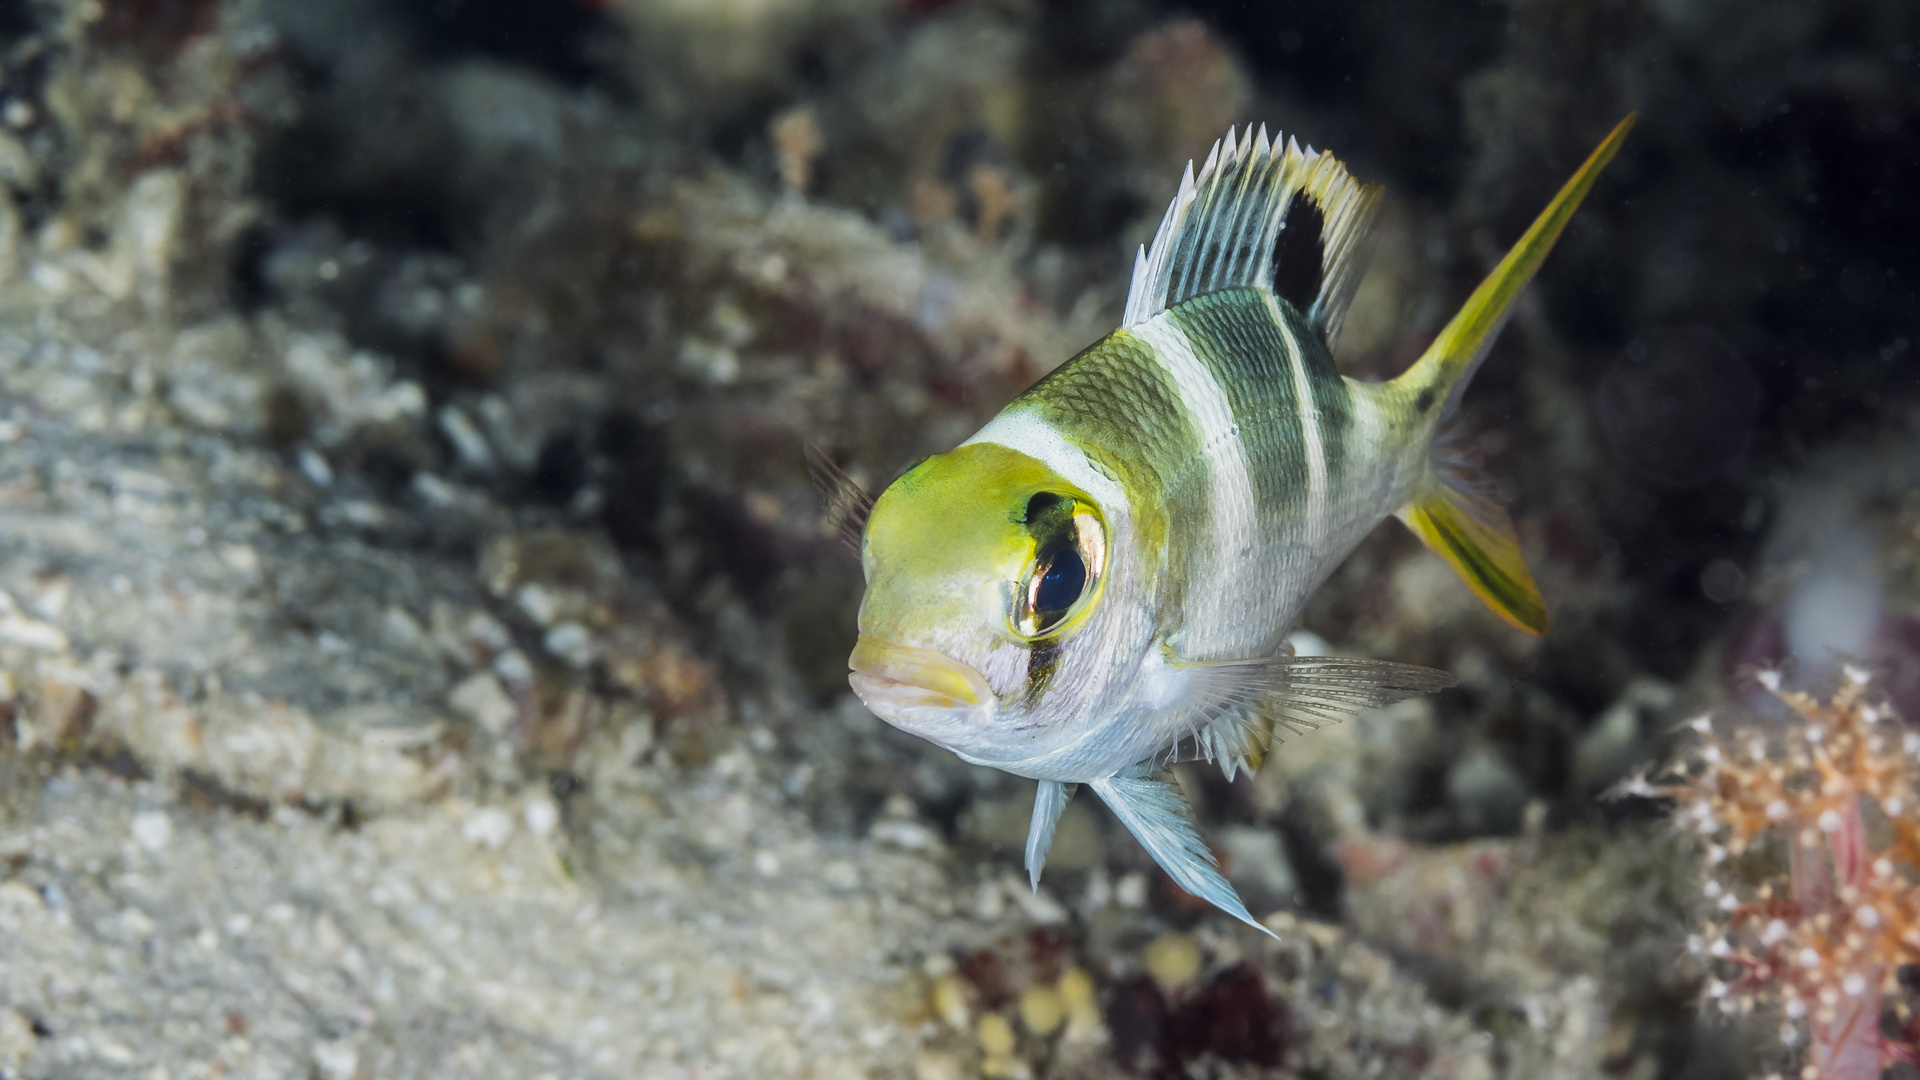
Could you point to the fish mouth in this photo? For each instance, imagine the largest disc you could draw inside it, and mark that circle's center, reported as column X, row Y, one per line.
column 898, row 681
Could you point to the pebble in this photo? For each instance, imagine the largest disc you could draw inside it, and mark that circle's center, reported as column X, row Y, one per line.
column 136, row 922
column 513, row 667
column 336, row 1060
column 316, row 468
column 1040, row 907
column 572, row 643
column 466, row 438
column 990, row 903
column 1075, row 987
column 489, row 827
column 1084, row 1023
column 541, row 816
column 996, row 1036
column 436, row 492
column 539, row 604
column 950, row 1002
column 1041, row 1010
column 32, row 634
column 152, row 830
column 481, row 699
column 937, row 1066
column 1486, row 791
column 910, row 835
column 1173, row 960
column 16, row 1037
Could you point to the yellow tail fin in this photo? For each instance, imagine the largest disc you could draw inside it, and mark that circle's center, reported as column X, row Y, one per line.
column 1467, row 529
column 1476, row 538
column 1442, row 371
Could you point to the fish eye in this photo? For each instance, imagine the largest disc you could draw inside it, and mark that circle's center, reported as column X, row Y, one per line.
column 1069, row 554
column 1059, row 586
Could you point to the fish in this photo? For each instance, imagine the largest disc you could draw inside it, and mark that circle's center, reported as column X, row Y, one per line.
column 1100, row 583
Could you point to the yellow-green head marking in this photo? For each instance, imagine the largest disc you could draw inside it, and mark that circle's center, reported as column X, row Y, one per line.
column 983, row 566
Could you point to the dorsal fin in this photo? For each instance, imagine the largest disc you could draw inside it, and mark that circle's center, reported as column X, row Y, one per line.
column 1223, row 229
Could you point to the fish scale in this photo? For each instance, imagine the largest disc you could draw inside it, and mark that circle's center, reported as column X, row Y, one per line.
column 1101, row 580
column 1122, row 407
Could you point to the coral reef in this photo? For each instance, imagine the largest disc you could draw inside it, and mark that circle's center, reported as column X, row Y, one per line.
column 1823, row 940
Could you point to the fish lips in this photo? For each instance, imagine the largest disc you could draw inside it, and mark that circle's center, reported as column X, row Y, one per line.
column 922, row 691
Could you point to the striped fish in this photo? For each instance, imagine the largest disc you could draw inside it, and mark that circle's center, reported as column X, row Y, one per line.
column 1101, row 581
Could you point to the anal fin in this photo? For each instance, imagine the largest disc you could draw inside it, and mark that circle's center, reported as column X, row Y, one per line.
column 1474, row 535
column 1158, row 816
column 1049, row 802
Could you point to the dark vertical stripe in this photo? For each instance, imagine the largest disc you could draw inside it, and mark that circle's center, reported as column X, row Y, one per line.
column 1234, row 333
column 1332, row 398
column 1121, row 406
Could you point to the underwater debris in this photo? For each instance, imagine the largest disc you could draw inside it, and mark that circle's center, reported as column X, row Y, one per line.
column 1168, row 97
column 797, row 144
column 1810, row 837
column 1230, row 1017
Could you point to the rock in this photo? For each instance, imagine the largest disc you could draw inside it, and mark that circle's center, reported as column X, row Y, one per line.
column 16, row 1038
column 1486, row 792
column 1257, row 865
column 328, row 968
column 1173, row 960
column 481, row 700
column 336, row 1059
column 1041, row 1010
column 152, row 830
column 1622, row 737
column 489, row 827
column 541, row 817
column 60, row 718
column 1175, row 91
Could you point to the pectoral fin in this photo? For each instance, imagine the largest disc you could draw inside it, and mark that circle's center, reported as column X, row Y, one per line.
column 1242, row 706
column 1157, row 816
column 845, row 503
column 1049, row 801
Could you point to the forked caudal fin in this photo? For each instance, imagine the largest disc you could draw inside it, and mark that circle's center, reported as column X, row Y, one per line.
column 1466, row 527
column 1448, row 364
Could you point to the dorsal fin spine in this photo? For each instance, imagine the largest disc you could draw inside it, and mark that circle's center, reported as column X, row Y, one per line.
column 1223, row 227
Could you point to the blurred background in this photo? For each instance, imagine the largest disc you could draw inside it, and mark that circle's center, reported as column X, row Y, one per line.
column 421, row 655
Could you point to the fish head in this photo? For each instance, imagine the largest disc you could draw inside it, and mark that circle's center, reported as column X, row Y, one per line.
column 984, row 569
